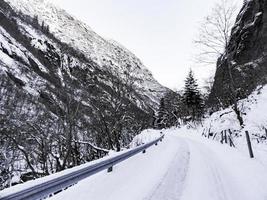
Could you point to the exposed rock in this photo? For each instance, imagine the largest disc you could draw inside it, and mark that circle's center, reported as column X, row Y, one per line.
column 247, row 53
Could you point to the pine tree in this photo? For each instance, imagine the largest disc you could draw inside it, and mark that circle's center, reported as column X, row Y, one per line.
column 161, row 118
column 192, row 98
column 170, row 112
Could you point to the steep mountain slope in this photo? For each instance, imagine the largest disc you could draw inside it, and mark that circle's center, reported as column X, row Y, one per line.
column 246, row 55
column 108, row 55
column 66, row 94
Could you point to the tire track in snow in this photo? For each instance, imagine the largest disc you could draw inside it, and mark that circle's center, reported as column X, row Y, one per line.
column 206, row 177
column 172, row 183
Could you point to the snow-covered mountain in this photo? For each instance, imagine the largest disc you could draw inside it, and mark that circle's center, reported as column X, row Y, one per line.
column 107, row 55
column 48, row 37
column 66, row 93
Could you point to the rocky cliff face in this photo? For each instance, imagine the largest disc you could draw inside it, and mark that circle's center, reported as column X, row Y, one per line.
column 246, row 53
column 66, row 94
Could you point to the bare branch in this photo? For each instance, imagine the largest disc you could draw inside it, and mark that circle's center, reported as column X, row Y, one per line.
column 214, row 32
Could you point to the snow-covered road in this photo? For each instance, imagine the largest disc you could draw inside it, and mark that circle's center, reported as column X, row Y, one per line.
column 182, row 167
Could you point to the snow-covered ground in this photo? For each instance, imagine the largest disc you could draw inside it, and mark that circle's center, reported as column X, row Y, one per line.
column 253, row 111
column 184, row 166
column 187, row 166
column 254, row 114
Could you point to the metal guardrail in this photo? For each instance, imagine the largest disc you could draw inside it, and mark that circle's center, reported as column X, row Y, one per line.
column 50, row 187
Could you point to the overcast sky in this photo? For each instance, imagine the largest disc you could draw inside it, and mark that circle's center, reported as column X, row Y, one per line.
column 159, row 32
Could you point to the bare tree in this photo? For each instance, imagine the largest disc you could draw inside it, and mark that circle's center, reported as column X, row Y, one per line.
column 213, row 40
column 214, row 32
column 116, row 111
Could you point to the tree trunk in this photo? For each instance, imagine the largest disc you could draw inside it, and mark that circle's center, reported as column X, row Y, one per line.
column 233, row 93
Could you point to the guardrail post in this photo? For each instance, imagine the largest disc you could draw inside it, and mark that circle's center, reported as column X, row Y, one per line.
column 144, row 151
column 110, row 169
column 156, row 143
column 249, row 145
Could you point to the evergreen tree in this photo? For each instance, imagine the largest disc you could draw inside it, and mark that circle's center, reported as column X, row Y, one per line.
column 170, row 112
column 192, row 98
column 161, row 118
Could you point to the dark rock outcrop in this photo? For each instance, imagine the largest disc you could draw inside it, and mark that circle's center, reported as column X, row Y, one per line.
column 247, row 53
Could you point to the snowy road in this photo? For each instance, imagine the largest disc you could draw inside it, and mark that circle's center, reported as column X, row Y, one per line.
column 182, row 167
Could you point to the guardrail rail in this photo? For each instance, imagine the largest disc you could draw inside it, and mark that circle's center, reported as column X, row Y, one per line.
column 57, row 184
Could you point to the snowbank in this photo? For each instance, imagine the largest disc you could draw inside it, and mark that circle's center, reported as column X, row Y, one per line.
column 253, row 111
column 145, row 137
column 254, row 114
